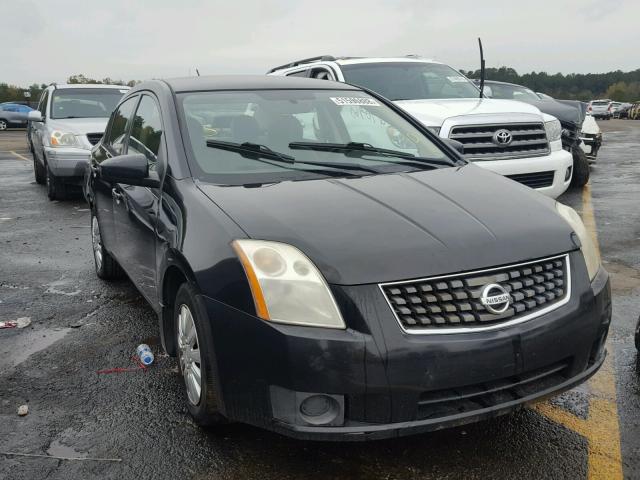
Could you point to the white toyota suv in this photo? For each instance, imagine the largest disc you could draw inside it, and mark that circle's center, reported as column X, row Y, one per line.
column 508, row 137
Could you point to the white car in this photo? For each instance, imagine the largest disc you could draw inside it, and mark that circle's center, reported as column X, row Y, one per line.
column 600, row 109
column 508, row 137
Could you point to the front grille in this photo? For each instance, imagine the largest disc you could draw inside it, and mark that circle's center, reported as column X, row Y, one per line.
column 528, row 140
column 534, row 180
column 94, row 137
column 454, row 401
column 452, row 304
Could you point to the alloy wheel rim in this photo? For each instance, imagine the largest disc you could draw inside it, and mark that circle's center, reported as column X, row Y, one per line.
column 3, row 125
column 190, row 361
column 96, row 240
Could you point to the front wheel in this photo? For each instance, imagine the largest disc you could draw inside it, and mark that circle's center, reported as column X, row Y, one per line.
column 195, row 357
column 38, row 170
column 3, row 124
column 581, row 170
column 55, row 187
column 106, row 266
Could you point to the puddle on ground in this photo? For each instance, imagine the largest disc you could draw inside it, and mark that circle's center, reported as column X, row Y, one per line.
column 15, row 349
column 57, row 449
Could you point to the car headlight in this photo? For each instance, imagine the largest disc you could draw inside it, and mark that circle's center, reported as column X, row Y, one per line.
column 591, row 255
column 553, row 129
column 286, row 286
column 63, row 139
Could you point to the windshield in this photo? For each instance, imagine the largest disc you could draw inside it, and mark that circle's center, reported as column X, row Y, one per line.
column 85, row 102
column 410, row 80
column 299, row 134
column 512, row 92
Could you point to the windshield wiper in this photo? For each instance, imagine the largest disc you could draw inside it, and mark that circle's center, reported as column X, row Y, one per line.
column 256, row 151
column 364, row 149
column 251, row 150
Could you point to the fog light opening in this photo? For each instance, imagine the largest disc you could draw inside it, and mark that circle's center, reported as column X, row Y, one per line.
column 567, row 175
column 319, row 409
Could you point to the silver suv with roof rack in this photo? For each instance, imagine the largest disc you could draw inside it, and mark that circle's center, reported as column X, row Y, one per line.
column 508, row 137
column 69, row 121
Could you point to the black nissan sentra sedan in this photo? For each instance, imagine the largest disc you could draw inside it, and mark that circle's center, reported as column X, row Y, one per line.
column 325, row 267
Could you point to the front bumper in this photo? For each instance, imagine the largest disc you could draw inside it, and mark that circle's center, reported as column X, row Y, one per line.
column 68, row 162
column 557, row 161
column 387, row 380
column 590, row 146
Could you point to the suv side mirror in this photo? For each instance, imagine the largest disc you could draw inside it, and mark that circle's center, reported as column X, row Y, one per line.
column 456, row 145
column 35, row 116
column 487, row 91
column 130, row 169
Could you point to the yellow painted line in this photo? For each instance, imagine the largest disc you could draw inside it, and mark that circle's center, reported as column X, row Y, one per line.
column 19, row 156
column 602, row 426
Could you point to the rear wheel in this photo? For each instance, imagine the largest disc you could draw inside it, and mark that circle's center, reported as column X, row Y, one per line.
column 580, row 168
column 195, row 357
column 55, row 187
column 106, row 266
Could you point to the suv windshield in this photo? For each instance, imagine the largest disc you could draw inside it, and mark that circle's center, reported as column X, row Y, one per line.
column 512, row 92
column 410, row 80
column 245, row 137
column 85, row 102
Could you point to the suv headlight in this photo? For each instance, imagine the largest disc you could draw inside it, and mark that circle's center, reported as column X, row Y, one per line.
column 553, row 129
column 591, row 256
column 286, row 286
column 63, row 139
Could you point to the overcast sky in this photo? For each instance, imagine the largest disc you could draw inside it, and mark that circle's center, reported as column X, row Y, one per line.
column 46, row 41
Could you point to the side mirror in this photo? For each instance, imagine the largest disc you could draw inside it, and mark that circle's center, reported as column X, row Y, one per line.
column 35, row 116
column 487, row 91
column 456, row 145
column 130, row 169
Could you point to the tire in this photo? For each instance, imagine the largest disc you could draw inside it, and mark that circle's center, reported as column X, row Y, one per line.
column 38, row 170
column 3, row 124
column 106, row 266
column 581, row 170
column 196, row 358
column 55, row 187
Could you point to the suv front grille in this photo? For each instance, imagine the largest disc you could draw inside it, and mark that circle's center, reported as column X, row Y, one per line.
column 528, row 140
column 452, row 303
column 534, row 180
column 94, row 137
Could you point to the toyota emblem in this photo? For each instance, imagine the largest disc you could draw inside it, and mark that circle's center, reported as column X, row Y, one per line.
column 502, row 137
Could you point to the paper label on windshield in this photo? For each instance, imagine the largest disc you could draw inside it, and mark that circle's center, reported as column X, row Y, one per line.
column 364, row 102
column 457, row 79
column 123, row 90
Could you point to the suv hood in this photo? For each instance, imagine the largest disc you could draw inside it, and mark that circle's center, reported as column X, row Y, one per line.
column 79, row 126
column 433, row 113
column 401, row 226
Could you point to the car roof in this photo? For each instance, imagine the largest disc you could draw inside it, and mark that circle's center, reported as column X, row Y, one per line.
column 64, row 86
column 357, row 60
column 251, row 82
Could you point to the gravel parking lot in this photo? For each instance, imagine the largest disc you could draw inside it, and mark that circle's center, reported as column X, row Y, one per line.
column 134, row 424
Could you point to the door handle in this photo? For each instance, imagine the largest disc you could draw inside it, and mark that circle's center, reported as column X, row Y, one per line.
column 117, row 195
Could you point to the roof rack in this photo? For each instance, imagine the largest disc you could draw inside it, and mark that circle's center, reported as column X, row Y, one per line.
column 324, row 58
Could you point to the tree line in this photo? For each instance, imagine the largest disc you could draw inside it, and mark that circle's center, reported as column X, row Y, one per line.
column 620, row 86
column 14, row 93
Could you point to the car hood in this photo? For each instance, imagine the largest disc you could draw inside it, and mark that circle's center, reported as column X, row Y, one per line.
column 401, row 226
column 79, row 126
column 563, row 112
column 433, row 113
